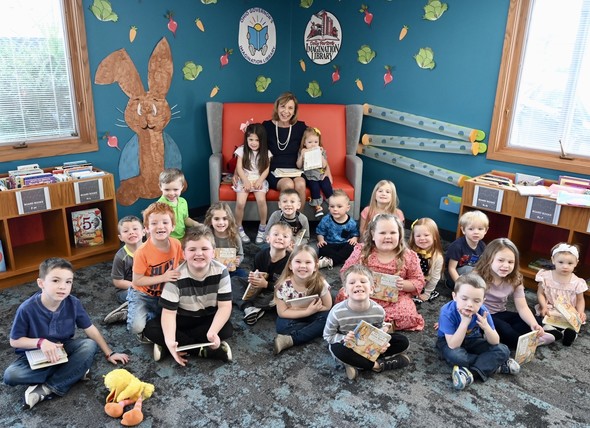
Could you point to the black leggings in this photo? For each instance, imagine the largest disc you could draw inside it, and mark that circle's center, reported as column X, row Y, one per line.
column 189, row 330
column 398, row 344
column 510, row 326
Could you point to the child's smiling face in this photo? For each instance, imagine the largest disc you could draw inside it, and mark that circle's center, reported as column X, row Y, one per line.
column 160, row 226
column 131, row 232
column 386, row 235
column 289, row 204
column 358, row 287
column 503, row 262
column 422, row 237
column 219, row 221
column 198, row 254
column 172, row 190
column 303, row 265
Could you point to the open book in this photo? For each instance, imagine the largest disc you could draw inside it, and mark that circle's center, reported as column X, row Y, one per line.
column 385, row 287
column 312, row 159
column 566, row 316
column 193, row 346
column 38, row 360
column 287, row 172
column 527, row 345
column 302, row 302
column 298, row 239
column 368, row 340
column 227, row 256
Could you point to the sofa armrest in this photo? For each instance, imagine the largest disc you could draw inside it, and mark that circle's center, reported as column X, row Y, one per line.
column 354, row 173
column 214, row 118
column 214, row 176
column 354, row 122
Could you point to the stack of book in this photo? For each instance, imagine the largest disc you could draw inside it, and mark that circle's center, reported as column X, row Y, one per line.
column 33, row 175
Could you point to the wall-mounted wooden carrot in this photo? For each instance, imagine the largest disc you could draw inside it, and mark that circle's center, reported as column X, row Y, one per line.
column 132, row 33
column 359, row 84
column 214, row 91
column 403, row 32
column 302, row 65
column 199, row 24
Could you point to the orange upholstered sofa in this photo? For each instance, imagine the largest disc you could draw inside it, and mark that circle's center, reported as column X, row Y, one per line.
column 340, row 126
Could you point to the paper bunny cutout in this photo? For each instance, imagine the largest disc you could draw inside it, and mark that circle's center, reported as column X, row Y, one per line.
column 151, row 150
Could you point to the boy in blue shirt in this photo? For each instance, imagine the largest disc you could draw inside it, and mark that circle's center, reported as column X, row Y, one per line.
column 460, row 340
column 48, row 321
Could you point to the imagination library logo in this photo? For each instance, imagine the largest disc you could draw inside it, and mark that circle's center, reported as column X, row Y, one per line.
column 257, row 36
column 323, row 37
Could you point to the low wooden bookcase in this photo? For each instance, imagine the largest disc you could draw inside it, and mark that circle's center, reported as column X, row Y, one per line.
column 28, row 239
column 534, row 237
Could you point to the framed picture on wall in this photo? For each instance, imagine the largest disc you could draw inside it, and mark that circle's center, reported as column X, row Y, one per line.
column 488, row 198
column 543, row 209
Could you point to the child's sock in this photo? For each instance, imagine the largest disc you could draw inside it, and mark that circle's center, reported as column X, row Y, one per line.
column 262, row 227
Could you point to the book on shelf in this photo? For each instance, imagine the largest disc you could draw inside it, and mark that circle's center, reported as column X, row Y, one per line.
column 541, row 263
column 368, row 340
column 564, row 315
column 2, row 259
column 532, row 190
column 527, row 179
column 38, row 360
column 493, row 179
column 312, row 159
column 302, row 302
column 577, row 200
column 565, row 180
column 526, row 348
column 192, row 346
column 386, row 287
column 227, row 256
column 287, row 172
column 87, row 227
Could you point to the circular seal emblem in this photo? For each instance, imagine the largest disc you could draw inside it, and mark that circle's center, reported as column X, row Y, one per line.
column 257, row 36
column 323, row 37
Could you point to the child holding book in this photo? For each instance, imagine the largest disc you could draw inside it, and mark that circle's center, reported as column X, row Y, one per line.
column 131, row 233
column 301, row 278
column 172, row 183
column 154, row 264
column 252, row 169
column 345, row 316
column 464, row 252
column 384, row 250
column 196, row 306
column 288, row 212
column 383, row 200
column 467, row 338
column 425, row 241
column 561, row 282
column 269, row 264
column 34, row 327
column 498, row 266
column 316, row 179
column 337, row 233
column 222, row 223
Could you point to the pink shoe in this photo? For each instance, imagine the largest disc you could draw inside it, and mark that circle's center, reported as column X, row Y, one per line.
column 545, row 339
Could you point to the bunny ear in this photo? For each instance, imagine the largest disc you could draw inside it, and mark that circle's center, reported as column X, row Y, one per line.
column 118, row 67
column 160, row 69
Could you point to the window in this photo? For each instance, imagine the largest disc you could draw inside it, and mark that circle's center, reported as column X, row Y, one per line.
column 45, row 90
column 543, row 85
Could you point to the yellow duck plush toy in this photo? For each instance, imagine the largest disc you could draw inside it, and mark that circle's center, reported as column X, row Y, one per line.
column 126, row 389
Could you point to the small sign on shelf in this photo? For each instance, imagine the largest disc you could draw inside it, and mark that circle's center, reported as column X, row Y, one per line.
column 543, row 209
column 88, row 191
column 33, row 200
column 488, row 198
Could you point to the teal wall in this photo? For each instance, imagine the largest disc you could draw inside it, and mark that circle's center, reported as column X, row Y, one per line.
column 467, row 41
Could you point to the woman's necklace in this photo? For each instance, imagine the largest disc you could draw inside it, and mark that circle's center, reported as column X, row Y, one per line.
column 282, row 146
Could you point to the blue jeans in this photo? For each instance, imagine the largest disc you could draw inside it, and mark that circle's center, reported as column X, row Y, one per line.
column 476, row 354
column 58, row 378
column 315, row 186
column 303, row 330
column 142, row 308
column 121, row 296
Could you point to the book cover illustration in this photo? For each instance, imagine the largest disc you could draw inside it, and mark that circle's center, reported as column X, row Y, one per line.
column 368, row 340
column 87, row 227
column 287, row 172
column 312, row 159
column 252, row 291
column 302, row 302
column 526, row 348
column 567, row 315
column 38, row 360
column 386, row 287
column 227, row 256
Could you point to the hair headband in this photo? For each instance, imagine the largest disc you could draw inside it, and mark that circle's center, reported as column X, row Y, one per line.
column 566, row 248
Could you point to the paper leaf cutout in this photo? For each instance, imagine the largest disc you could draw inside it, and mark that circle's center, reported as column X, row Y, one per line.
column 262, row 83
column 425, row 58
column 191, row 70
column 305, row 3
column 208, row 1
column 313, row 89
column 103, row 11
column 365, row 54
column 434, row 10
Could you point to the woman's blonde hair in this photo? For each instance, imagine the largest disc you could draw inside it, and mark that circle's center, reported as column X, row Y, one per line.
column 282, row 100
column 315, row 284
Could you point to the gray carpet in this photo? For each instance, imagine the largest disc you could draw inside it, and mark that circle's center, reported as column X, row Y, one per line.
column 303, row 387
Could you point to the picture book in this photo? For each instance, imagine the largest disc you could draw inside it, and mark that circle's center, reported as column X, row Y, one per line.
column 287, row 172
column 302, row 302
column 527, row 345
column 569, row 316
column 386, row 287
column 87, row 228
column 38, row 360
column 227, row 256
column 298, row 239
column 368, row 340
column 252, row 291
column 312, row 159
column 192, row 346
column 541, row 263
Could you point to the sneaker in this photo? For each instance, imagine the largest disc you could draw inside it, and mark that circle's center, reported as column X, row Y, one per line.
column 393, row 363
column 417, row 300
column 245, row 239
column 510, row 366
column 326, row 262
column 260, row 235
column 569, row 335
column 319, row 212
column 143, row 339
column 118, row 315
column 351, row 372
column 86, row 376
column 462, row 377
column 37, row 393
column 252, row 315
column 433, row 295
column 222, row 353
column 545, row 339
column 282, row 342
column 157, row 352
